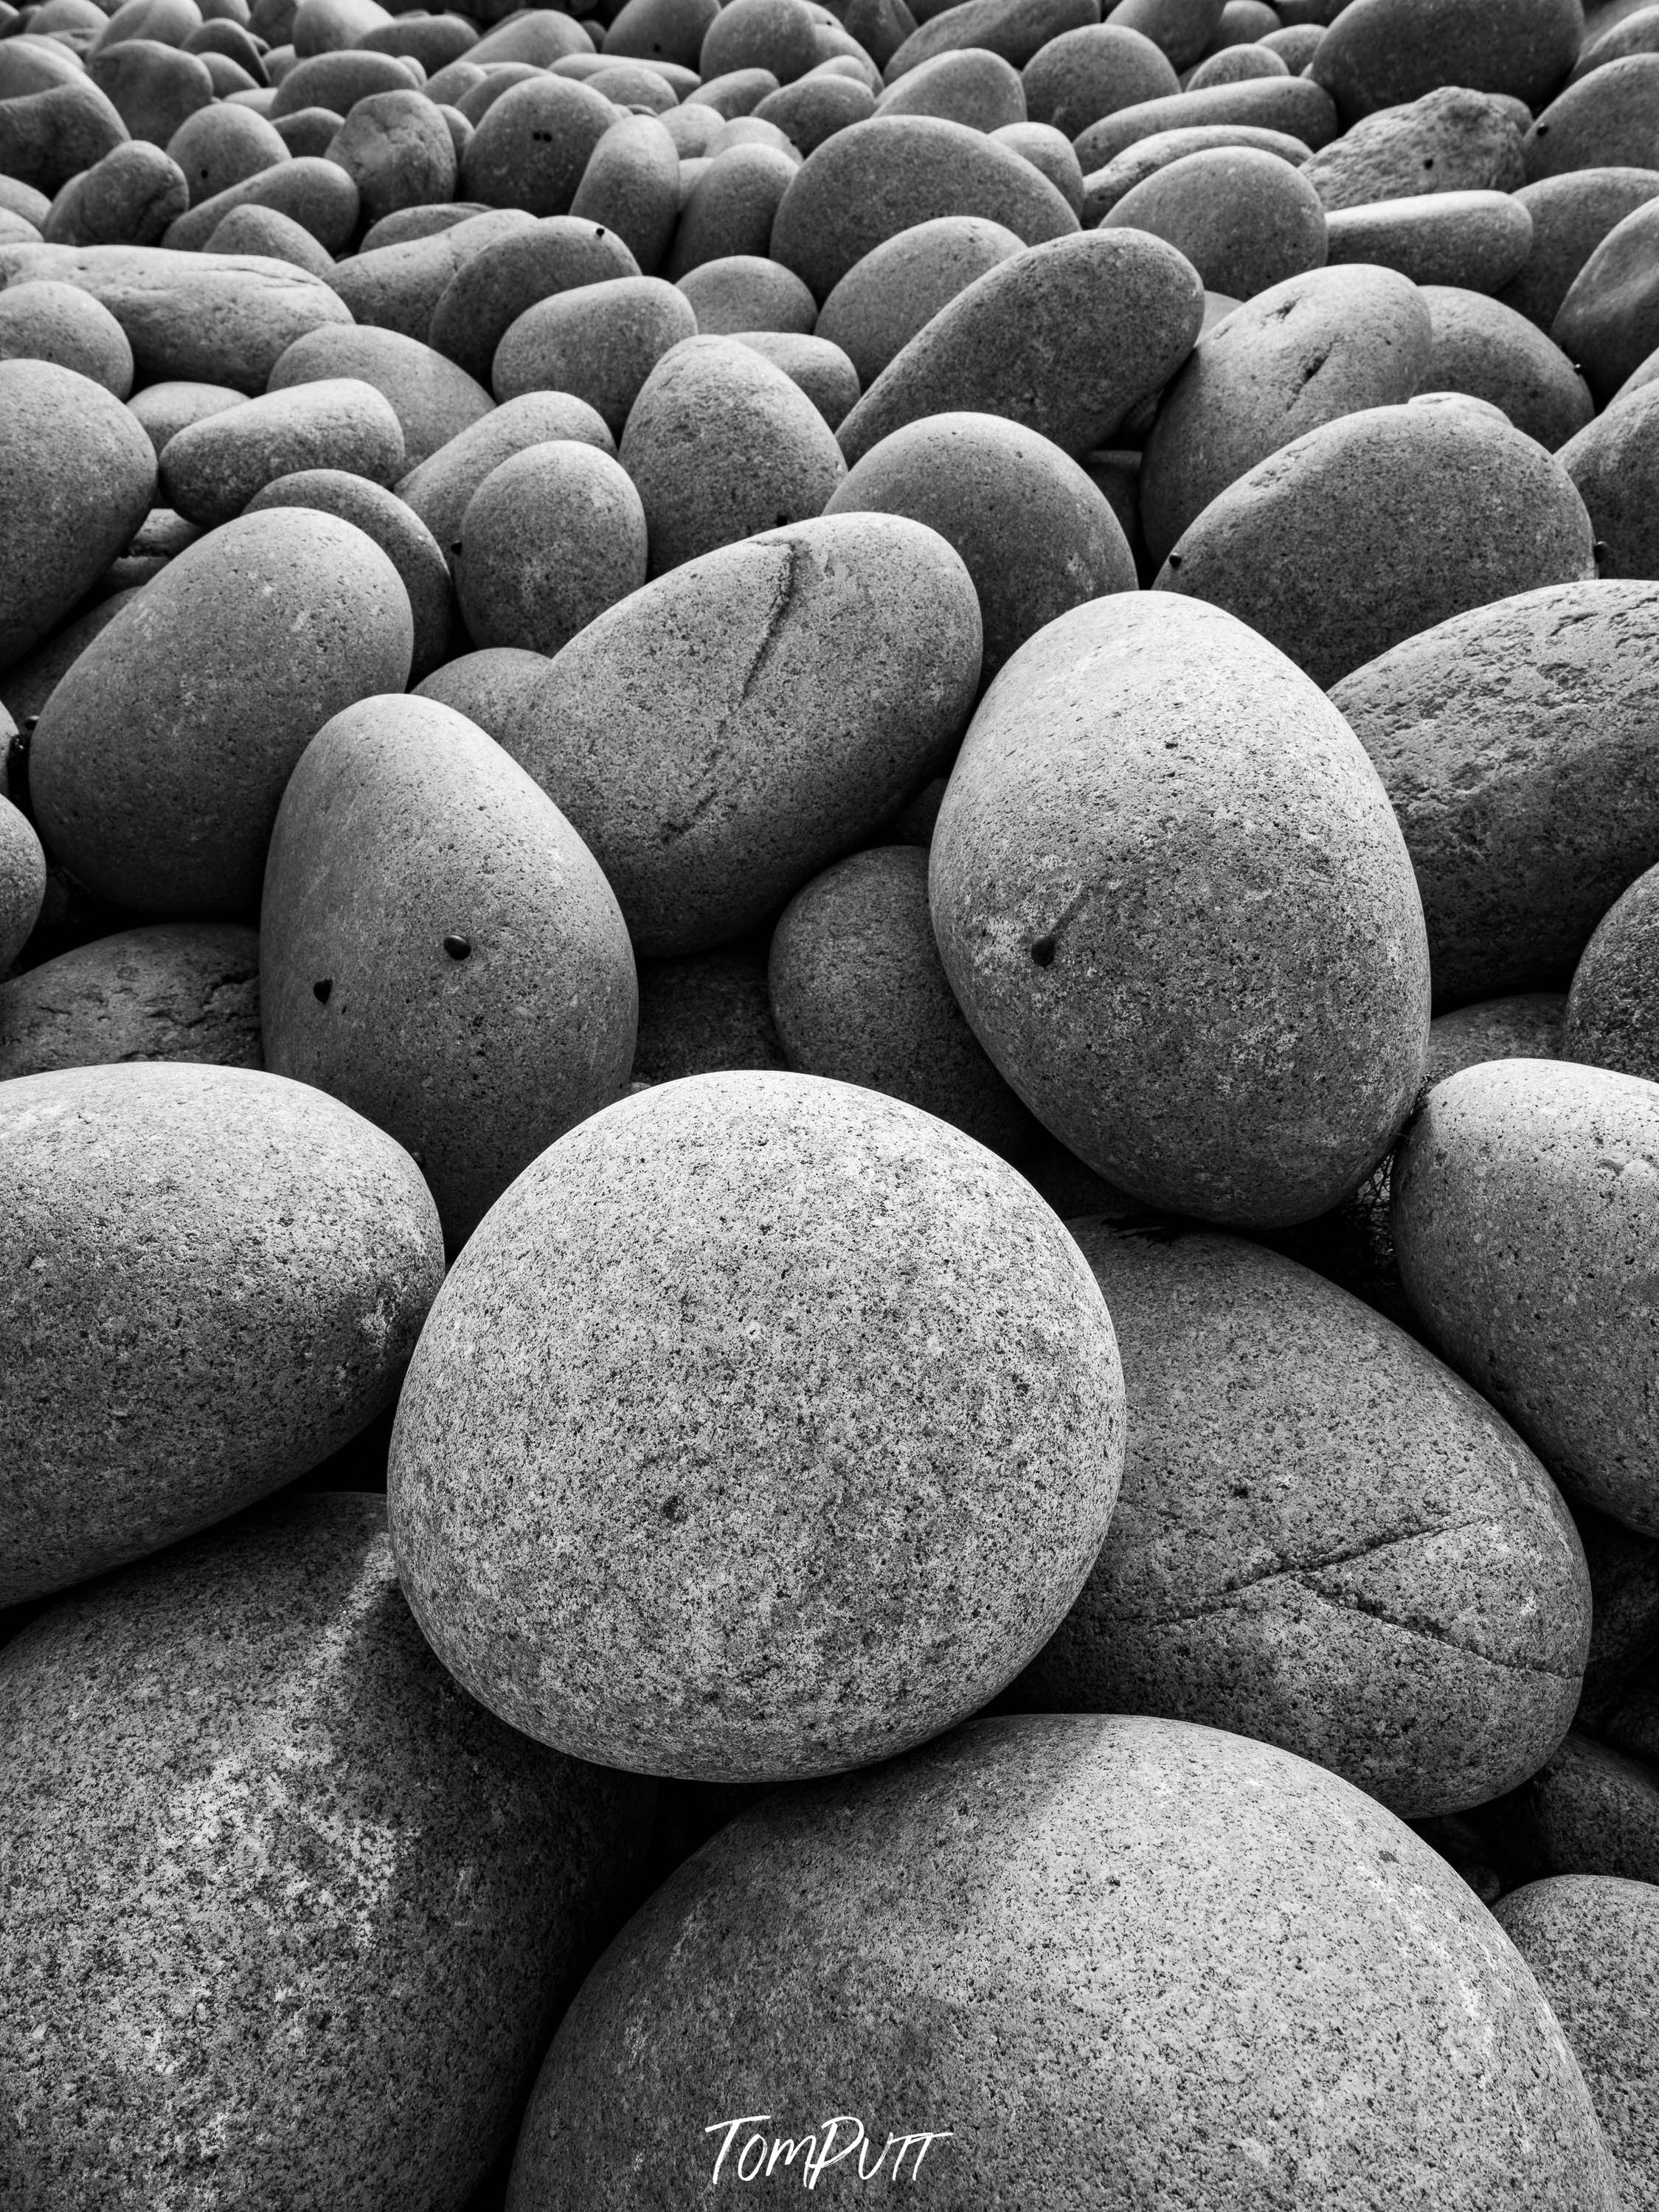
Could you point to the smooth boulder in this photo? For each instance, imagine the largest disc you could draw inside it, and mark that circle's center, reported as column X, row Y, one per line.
column 890, row 292
column 216, row 1278
column 210, row 470
column 777, row 1242
column 438, row 949
column 158, row 760
column 549, row 540
column 1244, row 219
column 1380, row 524
column 1152, row 805
column 1525, row 1198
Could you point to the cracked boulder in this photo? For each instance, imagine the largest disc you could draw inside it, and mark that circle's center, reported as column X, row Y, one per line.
column 1124, row 1961
column 766, row 1427
column 1526, row 1217
column 1323, row 344
column 1324, row 1538
column 719, row 736
column 1173, row 900
column 438, row 949
column 177, row 990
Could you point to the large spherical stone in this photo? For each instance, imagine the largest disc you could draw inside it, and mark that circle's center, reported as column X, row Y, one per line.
column 213, row 1278
column 1113, row 1958
column 176, row 990
column 1593, row 1943
column 77, row 475
column 1173, row 901
column 721, row 735
column 288, row 1917
column 1037, row 535
column 858, row 994
column 1380, row 524
column 1324, row 1537
column 1300, row 355
column 1517, row 742
column 161, row 757
column 438, row 948
column 765, row 1428
column 1526, row 1205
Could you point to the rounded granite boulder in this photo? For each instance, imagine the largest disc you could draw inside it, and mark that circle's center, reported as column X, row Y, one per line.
column 1173, row 900
column 1516, row 743
column 549, row 540
column 722, row 444
column 438, row 948
column 858, row 994
column 1494, row 352
column 1244, row 218
column 1037, row 535
column 1324, row 1538
column 77, row 476
column 1381, row 53
column 485, row 686
column 241, row 1791
column 174, row 990
column 1614, row 463
column 432, row 398
column 1526, row 1204
column 1592, row 1942
column 1212, row 1970
column 1608, row 322
column 214, row 1280
column 212, row 469
column 722, row 735
column 1613, row 1008
column 1065, row 338
column 23, row 880
column 1300, row 355
column 718, row 1372
column 1477, row 240
column 396, row 530
column 600, row 341
column 439, row 491
column 888, row 295
column 159, row 760
column 1380, row 525
column 46, row 321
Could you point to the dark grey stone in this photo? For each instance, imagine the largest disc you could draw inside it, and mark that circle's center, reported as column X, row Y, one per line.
column 177, row 990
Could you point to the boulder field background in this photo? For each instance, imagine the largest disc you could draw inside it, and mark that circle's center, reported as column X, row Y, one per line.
column 830, row 1105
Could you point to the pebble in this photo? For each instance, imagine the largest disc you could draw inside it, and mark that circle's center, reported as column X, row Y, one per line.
column 1065, row 337
column 598, row 341
column 630, row 187
column 266, row 231
column 1609, row 320
column 1035, row 535
column 481, row 999
column 1614, row 462
column 1613, row 1018
column 399, row 533
column 1103, row 188
column 210, row 470
column 858, row 995
column 251, row 1736
column 1593, row 1943
column 76, row 477
column 1525, row 1193
column 550, row 539
column 876, row 179
column 721, row 736
column 1329, row 343
column 815, row 108
column 821, row 370
column 1244, row 219
column 746, row 292
column 174, row 990
column 1570, row 216
column 132, row 197
column 1290, row 106
column 1514, row 743
column 1099, row 971
column 162, row 409
column 971, row 85
column 731, row 206
column 1493, row 353
column 1182, row 30
column 511, row 274
column 1324, row 1538
column 531, row 149
column 721, row 445
column 787, row 1242
column 48, row 137
column 1076, row 78
column 1417, row 513
column 1295, row 1983
column 396, row 150
column 317, row 193
column 1606, row 120
column 1015, row 30
column 175, row 819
